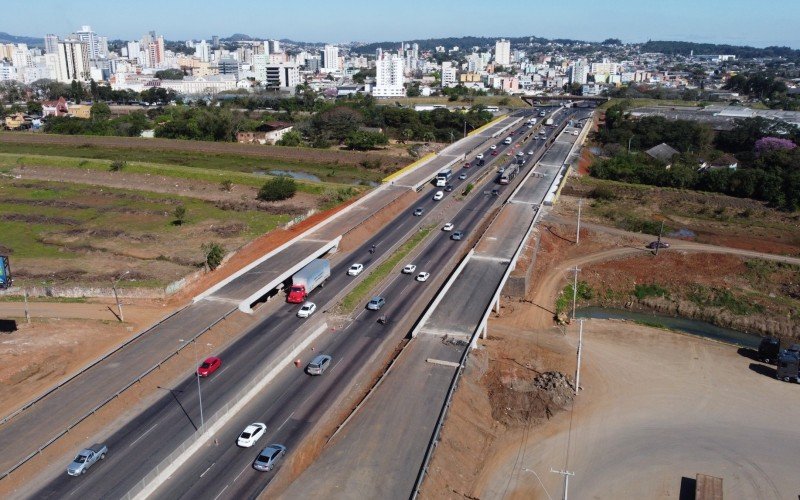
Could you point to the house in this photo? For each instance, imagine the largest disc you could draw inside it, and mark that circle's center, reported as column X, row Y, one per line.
column 663, row 153
column 55, row 108
column 267, row 133
column 80, row 111
column 17, row 121
column 724, row 162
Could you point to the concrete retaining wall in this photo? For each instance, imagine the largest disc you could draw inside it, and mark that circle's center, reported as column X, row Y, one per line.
column 519, row 282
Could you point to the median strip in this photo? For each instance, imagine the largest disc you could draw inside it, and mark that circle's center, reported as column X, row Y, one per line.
column 357, row 295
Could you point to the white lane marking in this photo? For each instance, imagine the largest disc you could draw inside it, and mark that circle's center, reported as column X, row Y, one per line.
column 239, row 475
column 284, row 423
column 143, row 435
column 219, row 373
column 209, row 468
column 334, row 365
column 221, row 492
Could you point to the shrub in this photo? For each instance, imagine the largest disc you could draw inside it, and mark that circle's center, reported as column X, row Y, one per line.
column 226, row 185
column 214, row 254
column 642, row 291
column 603, row 193
column 278, row 188
column 180, row 215
column 117, row 165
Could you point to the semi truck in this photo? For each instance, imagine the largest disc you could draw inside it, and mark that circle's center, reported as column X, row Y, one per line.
column 307, row 279
column 788, row 368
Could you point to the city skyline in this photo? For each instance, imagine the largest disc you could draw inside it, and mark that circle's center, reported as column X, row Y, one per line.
column 736, row 22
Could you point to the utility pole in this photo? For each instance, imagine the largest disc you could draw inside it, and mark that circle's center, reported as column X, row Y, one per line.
column 658, row 243
column 629, row 144
column 578, row 366
column 578, row 232
column 465, row 128
column 197, row 376
column 27, row 313
column 575, row 290
column 566, row 475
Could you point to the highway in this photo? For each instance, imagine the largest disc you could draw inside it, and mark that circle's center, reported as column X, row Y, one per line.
column 402, row 413
column 29, row 430
column 291, row 405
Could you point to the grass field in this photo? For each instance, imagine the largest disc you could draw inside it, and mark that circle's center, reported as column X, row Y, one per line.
column 75, row 234
column 489, row 100
column 637, row 103
column 326, row 172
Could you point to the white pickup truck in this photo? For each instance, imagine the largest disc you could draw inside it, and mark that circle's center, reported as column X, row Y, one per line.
column 86, row 458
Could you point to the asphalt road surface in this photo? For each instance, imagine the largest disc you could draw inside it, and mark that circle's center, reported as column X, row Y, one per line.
column 155, row 433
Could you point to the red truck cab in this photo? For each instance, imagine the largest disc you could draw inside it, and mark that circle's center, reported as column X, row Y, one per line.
column 297, row 294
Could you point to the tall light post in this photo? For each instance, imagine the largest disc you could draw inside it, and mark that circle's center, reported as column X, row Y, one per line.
column 116, row 296
column 197, row 376
column 578, row 231
column 578, row 365
column 574, row 290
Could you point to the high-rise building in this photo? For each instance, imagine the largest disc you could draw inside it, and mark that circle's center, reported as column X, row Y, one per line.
column 155, row 52
column 502, row 52
column 51, row 44
column 448, row 74
column 578, row 72
column 274, row 46
column 89, row 37
column 330, row 59
column 135, row 51
column 73, row 61
column 201, row 51
column 275, row 75
column 21, row 57
column 215, row 41
column 389, row 75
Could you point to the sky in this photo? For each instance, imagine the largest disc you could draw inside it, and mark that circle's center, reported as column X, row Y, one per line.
column 738, row 22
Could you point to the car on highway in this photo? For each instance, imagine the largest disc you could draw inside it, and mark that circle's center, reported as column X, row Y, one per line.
column 251, row 434
column 306, row 310
column 481, row 163
column 418, row 211
column 355, row 269
column 530, row 126
column 423, row 276
column 209, row 366
column 467, row 165
column 479, row 156
column 501, row 169
column 494, row 153
column 493, row 147
column 376, row 303
column 438, row 195
column 530, row 152
column 319, row 364
column 448, row 188
column 462, row 177
column 268, row 457
column 86, row 458
column 409, row 269
column 574, row 132
column 658, row 244
column 495, row 192
column 448, row 227
column 457, row 236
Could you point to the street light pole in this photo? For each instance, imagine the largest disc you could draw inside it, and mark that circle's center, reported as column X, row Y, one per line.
column 578, row 367
column 575, row 290
column 578, row 232
column 566, row 475
column 197, row 376
column 116, row 296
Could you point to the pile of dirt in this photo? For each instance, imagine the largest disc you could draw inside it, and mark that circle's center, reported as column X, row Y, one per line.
column 520, row 401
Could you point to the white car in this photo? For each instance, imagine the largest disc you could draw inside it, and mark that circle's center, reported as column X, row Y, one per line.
column 423, row 276
column 574, row 132
column 479, row 156
column 306, row 310
column 409, row 269
column 251, row 434
column 493, row 147
column 462, row 177
column 448, row 227
column 530, row 152
column 438, row 195
column 355, row 269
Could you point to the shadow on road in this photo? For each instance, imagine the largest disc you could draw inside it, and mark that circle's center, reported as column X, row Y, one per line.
column 748, row 353
column 688, row 487
column 8, row 325
column 763, row 369
column 175, row 397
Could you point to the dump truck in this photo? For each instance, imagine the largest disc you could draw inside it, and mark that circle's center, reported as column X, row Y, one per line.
column 788, row 367
column 307, row 279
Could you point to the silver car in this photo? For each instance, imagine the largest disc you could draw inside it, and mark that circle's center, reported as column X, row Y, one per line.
column 268, row 457
column 319, row 364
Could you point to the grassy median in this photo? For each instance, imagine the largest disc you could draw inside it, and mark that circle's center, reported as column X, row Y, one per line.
column 362, row 290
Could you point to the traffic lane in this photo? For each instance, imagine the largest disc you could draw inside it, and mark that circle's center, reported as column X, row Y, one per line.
column 174, row 417
column 30, row 429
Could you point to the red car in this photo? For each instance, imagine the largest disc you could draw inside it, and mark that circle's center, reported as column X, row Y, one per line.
column 209, row 366
column 494, row 153
column 467, row 165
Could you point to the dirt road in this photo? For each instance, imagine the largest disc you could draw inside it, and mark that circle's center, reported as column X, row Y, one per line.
column 656, row 407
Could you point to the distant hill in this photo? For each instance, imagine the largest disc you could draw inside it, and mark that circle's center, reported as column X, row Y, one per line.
column 448, row 43
column 740, row 51
column 238, row 37
column 29, row 40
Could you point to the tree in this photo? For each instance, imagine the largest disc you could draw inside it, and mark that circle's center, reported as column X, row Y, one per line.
column 290, row 138
column 170, row 74
column 413, row 90
column 364, row 140
column 214, row 254
column 117, row 165
column 278, row 188
column 180, row 215
column 34, row 108
column 338, row 122
column 76, row 91
column 99, row 112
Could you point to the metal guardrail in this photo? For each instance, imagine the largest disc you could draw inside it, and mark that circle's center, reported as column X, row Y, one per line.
column 117, row 394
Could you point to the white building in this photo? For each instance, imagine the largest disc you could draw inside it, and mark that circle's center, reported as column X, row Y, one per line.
column 389, row 75
column 605, row 68
column 578, row 72
column 73, row 61
column 330, row 59
column 7, row 72
column 502, row 52
column 286, row 76
column 90, row 38
column 135, row 52
column 211, row 84
column 21, row 57
column 202, row 51
column 448, row 75
column 51, row 44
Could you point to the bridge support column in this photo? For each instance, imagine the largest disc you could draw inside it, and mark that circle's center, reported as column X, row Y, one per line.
column 497, row 305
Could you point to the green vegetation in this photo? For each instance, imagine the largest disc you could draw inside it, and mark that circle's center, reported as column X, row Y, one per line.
column 179, row 215
column 360, row 292
column 214, row 253
column 642, row 291
column 117, row 165
column 278, row 188
column 564, row 301
column 724, row 299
